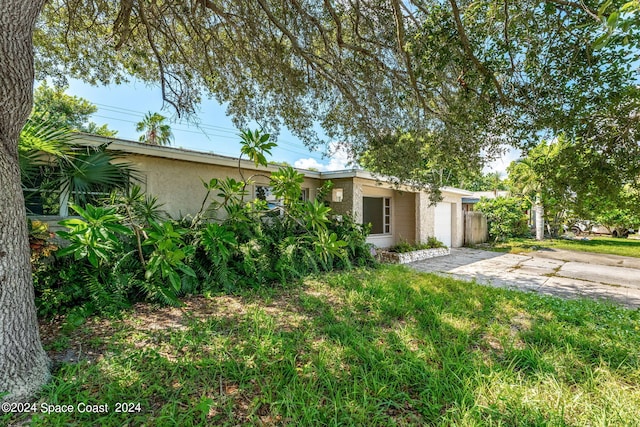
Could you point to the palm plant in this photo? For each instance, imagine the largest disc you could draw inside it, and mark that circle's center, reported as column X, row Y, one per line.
column 156, row 131
column 52, row 164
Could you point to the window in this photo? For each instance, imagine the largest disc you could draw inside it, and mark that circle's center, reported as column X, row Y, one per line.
column 263, row 192
column 377, row 212
column 304, row 195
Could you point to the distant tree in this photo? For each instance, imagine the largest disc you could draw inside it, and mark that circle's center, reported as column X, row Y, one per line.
column 491, row 181
column 544, row 178
column 156, row 131
column 570, row 181
column 57, row 109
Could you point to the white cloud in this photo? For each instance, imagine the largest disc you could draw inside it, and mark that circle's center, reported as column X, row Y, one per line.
column 308, row 164
column 500, row 165
column 339, row 159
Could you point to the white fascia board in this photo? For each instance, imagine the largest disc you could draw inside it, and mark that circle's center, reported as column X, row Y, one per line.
column 454, row 190
column 133, row 147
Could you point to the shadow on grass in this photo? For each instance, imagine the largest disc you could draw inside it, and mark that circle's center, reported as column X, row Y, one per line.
column 382, row 347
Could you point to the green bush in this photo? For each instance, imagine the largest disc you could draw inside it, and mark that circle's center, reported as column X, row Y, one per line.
column 404, row 246
column 506, row 217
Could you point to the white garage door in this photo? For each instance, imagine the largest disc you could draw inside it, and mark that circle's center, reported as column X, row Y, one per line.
column 442, row 223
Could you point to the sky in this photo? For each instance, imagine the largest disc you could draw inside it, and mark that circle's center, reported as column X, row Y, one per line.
column 121, row 107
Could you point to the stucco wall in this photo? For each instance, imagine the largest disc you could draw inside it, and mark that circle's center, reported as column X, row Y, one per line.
column 177, row 183
column 425, row 226
column 346, row 207
column 426, row 215
column 404, row 224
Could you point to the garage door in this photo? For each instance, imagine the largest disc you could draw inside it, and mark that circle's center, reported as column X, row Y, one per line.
column 442, row 223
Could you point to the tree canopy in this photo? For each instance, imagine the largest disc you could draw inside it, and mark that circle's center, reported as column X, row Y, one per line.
column 576, row 184
column 58, row 109
column 462, row 78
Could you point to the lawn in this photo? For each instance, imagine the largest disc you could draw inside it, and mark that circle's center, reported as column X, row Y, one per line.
column 603, row 245
column 368, row 347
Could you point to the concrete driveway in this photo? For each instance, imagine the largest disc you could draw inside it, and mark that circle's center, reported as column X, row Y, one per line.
column 562, row 273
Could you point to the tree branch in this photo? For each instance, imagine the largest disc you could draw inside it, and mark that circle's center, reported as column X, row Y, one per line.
column 466, row 45
column 400, row 34
column 577, row 5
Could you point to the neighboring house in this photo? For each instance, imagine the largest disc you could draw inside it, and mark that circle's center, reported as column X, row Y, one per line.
column 469, row 201
column 175, row 176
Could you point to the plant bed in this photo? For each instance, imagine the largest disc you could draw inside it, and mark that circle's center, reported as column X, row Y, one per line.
column 411, row 256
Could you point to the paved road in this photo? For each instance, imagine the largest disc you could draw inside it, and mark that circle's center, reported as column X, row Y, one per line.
column 555, row 272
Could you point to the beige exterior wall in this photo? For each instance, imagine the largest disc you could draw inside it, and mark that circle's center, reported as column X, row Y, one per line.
column 178, row 183
column 425, row 227
column 404, row 220
column 346, row 206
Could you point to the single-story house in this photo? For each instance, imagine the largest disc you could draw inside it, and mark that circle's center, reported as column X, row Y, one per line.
column 175, row 175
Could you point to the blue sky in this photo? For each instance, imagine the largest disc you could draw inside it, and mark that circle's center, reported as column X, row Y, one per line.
column 122, row 106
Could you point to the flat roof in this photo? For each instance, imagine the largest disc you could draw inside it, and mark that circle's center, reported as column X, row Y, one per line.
column 167, row 152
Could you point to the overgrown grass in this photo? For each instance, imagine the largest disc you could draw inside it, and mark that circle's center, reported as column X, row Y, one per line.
column 367, row 347
column 603, row 245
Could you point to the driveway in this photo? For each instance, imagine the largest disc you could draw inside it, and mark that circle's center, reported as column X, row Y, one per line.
column 562, row 273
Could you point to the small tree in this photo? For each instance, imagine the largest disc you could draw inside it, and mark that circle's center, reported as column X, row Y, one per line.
column 156, row 131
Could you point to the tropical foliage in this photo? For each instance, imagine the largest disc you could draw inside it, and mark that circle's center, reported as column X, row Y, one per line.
column 127, row 250
column 55, row 171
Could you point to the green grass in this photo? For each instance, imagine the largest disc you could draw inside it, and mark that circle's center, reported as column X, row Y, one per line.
column 369, row 347
column 603, row 245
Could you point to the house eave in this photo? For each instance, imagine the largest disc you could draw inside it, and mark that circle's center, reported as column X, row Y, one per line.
column 174, row 153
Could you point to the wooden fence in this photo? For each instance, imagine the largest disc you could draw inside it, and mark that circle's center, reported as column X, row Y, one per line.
column 475, row 228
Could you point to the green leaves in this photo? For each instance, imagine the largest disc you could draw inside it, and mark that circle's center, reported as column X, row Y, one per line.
column 255, row 144
column 218, row 242
column 315, row 215
column 505, row 216
column 286, row 184
column 327, row 247
column 156, row 131
column 231, row 190
column 96, row 236
column 170, row 254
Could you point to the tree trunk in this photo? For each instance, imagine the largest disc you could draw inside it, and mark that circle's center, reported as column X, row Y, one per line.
column 539, row 210
column 24, row 366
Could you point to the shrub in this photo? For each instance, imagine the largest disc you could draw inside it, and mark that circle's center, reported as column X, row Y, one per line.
column 404, row 246
column 506, row 217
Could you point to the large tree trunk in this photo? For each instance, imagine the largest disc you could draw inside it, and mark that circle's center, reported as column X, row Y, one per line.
column 24, row 366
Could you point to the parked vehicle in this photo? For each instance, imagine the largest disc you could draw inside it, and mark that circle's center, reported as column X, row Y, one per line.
column 589, row 227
